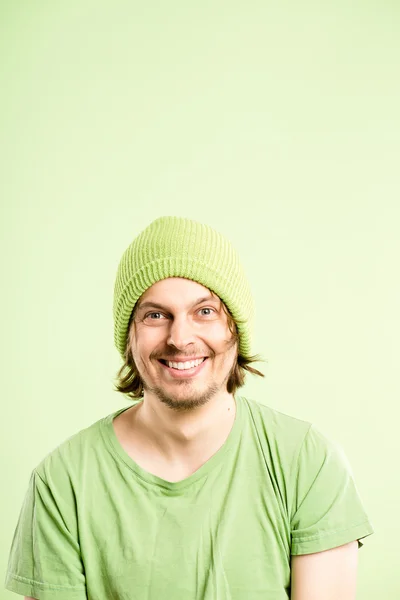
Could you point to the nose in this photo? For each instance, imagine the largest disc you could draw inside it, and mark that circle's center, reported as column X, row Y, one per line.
column 181, row 332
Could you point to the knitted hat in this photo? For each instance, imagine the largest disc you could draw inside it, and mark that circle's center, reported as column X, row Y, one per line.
column 179, row 247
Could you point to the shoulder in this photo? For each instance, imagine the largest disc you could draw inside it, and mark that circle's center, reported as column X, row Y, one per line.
column 279, row 436
column 76, row 454
column 295, row 442
column 280, row 428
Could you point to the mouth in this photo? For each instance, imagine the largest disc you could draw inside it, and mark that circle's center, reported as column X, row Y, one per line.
column 182, row 373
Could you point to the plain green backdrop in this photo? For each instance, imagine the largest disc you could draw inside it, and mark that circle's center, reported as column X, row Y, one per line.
column 276, row 123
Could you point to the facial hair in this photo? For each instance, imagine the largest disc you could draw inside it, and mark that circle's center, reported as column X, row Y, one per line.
column 189, row 404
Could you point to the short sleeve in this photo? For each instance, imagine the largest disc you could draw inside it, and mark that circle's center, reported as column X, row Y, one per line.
column 44, row 560
column 327, row 510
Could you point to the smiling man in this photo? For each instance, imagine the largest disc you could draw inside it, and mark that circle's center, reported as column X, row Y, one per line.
column 194, row 492
column 184, row 351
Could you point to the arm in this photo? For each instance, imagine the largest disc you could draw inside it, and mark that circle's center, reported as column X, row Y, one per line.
column 327, row 575
column 45, row 553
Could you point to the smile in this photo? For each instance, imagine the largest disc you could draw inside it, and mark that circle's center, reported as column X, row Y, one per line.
column 189, row 364
column 182, row 370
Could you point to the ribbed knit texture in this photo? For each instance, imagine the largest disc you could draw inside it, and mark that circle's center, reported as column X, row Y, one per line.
column 179, row 247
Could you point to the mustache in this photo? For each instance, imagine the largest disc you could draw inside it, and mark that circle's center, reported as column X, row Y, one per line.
column 210, row 354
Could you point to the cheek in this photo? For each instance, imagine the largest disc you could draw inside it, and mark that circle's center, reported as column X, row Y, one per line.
column 218, row 331
column 225, row 351
column 147, row 339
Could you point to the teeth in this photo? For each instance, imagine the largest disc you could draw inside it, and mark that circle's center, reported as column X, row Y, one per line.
column 185, row 365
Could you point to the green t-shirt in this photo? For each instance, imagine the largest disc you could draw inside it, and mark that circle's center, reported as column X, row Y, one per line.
column 95, row 525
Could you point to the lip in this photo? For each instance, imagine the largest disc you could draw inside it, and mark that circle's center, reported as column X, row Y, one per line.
column 183, row 358
column 184, row 373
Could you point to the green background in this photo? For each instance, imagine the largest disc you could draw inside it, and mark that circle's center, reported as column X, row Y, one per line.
column 276, row 123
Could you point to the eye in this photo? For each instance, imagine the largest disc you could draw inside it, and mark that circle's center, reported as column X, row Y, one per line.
column 153, row 313
column 207, row 309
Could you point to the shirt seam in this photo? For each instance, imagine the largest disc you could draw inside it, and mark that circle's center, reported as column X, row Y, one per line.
column 118, row 458
column 295, row 466
column 43, row 584
column 320, row 536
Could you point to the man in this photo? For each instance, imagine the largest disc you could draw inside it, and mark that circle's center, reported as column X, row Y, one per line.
column 195, row 492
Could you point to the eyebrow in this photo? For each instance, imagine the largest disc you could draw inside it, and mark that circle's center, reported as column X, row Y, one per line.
column 150, row 304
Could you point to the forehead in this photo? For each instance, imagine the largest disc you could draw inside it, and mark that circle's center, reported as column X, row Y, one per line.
column 174, row 288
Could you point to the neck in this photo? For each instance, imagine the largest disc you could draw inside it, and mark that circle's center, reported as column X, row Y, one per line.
column 181, row 437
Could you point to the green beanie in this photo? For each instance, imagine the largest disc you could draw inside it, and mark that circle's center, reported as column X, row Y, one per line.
column 179, row 247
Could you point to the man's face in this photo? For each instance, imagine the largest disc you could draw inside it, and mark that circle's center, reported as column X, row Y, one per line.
column 178, row 320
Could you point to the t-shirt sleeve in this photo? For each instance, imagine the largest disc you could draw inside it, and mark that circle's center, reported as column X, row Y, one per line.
column 45, row 560
column 327, row 510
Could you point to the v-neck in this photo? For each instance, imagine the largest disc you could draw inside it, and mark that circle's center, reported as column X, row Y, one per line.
column 117, row 449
